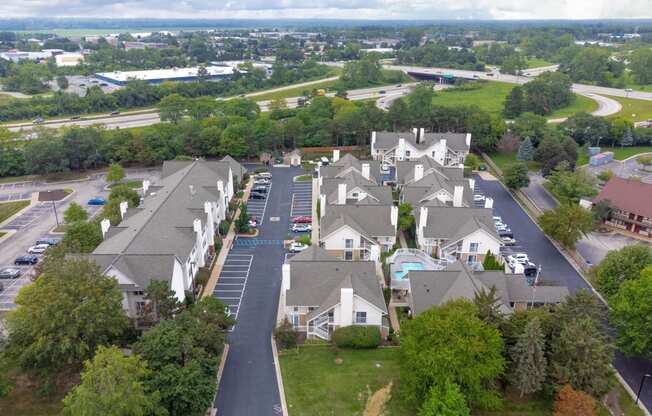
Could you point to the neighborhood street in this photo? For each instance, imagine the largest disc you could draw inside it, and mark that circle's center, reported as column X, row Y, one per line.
column 248, row 386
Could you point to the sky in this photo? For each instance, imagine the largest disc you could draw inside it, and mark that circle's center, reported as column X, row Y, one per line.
column 331, row 9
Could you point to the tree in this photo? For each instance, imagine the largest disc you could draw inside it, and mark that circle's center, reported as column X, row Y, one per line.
column 113, row 385
column 162, row 302
column 74, row 213
column 530, row 125
column 450, row 342
column 398, row 114
column 568, row 186
column 472, row 161
column 621, row 265
column 69, row 311
column 582, row 304
column 630, row 312
column 571, row 402
column 172, row 108
column 62, row 82
column 514, row 103
column 405, row 218
column 242, row 222
column 285, row 335
column 581, row 356
column 627, row 139
column 516, row 175
column 445, row 399
column 491, row 262
column 640, row 63
column 525, row 151
column 82, row 237
column 115, row 173
column 125, row 193
column 602, row 211
column 567, row 223
column 488, row 304
column 528, row 359
column 420, row 105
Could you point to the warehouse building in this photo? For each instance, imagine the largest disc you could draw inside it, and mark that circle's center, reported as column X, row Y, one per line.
column 156, row 76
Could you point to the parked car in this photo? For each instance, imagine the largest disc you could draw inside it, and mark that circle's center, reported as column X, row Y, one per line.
column 261, row 189
column 303, row 219
column 26, row 260
column 261, row 182
column 502, row 227
column 296, row 247
column 115, row 113
column 253, row 223
column 38, row 249
column 10, row 273
column 506, row 233
column 75, row 118
column 301, row 228
column 38, row 120
column 518, row 258
column 508, row 241
column 257, row 195
column 48, row 241
column 264, row 175
column 98, row 200
column 478, row 198
column 497, row 219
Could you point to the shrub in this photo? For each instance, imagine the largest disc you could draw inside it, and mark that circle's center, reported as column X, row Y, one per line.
column 286, row 336
column 572, row 402
column 357, row 337
column 605, row 175
column 305, row 239
column 224, row 227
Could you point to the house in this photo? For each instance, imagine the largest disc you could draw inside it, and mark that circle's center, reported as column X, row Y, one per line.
column 339, row 167
column 237, row 169
column 462, row 233
column 406, row 172
column 448, row 149
column 430, row 288
column 631, row 203
column 432, row 187
column 357, row 232
column 170, row 235
column 292, row 158
column 321, row 293
column 353, row 188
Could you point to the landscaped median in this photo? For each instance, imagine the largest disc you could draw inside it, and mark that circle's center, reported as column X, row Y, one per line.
column 9, row 209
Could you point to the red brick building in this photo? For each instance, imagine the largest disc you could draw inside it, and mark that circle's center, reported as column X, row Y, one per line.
column 631, row 201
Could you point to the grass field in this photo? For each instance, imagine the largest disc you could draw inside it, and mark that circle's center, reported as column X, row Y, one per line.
column 294, row 92
column 504, row 159
column 620, row 153
column 315, row 385
column 537, row 63
column 7, row 209
column 5, row 98
column 633, row 110
column 133, row 184
column 491, row 97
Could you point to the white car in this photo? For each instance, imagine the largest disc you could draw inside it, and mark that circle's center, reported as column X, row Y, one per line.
column 502, row 227
column 478, row 198
column 497, row 219
column 518, row 258
column 508, row 241
column 296, row 247
column 301, row 228
column 384, row 168
column 38, row 249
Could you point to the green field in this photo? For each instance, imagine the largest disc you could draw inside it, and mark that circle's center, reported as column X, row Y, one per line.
column 5, row 98
column 504, row 159
column 633, row 110
column 7, row 209
column 537, row 63
column 294, row 92
column 620, row 153
column 491, row 97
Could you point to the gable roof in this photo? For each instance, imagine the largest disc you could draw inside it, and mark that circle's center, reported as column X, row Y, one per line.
column 313, row 253
column 628, row 195
column 405, row 169
column 237, row 169
column 319, row 283
column 368, row 220
column 379, row 195
column 349, row 162
column 455, row 223
column 454, row 141
column 434, row 288
column 416, row 192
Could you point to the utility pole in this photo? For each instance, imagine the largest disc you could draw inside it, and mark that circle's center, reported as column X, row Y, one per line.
column 640, row 387
column 56, row 217
column 534, row 286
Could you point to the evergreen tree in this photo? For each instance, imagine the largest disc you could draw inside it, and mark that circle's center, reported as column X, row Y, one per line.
column 525, row 150
column 514, row 103
column 491, row 263
column 528, row 359
column 487, row 302
column 445, row 399
column 627, row 139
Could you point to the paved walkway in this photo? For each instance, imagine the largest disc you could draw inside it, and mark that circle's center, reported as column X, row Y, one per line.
column 538, row 194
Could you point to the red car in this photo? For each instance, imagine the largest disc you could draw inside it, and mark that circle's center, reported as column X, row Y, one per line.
column 304, row 219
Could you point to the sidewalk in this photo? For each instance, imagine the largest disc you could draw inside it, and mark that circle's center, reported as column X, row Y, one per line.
column 227, row 243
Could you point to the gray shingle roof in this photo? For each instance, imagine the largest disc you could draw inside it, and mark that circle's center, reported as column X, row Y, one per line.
column 348, row 162
column 416, row 192
column 454, row 141
column 313, row 253
column 455, row 223
column 433, row 288
column 237, row 169
column 379, row 195
column 369, row 220
column 162, row 227
column 318, row 283
column 405, row 169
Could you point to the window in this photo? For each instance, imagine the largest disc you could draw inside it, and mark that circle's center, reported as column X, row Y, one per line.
column 407, row 153
column 296, row 309
column 140, row 308
column 348, row 255
column 472, row 259
column 361, row 317
column 348, row 243
column 295, row 320
column 433, row 154
column 473, row 247
column 354, row 195
column 139, row 293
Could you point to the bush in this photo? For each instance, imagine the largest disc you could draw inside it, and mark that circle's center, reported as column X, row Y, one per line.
column 357, row 337
column 305, row 239
column 605, row 175
column 224, row 227
column 286, row 336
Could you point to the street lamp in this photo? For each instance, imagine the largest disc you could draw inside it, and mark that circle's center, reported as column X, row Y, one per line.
column 56, row 217
column 641, row 387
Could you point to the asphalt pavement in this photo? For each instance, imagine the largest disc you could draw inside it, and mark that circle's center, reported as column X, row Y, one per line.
column 556, row 270
column 249, row 386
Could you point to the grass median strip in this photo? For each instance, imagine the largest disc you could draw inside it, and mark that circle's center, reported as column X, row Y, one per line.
column 7, row 209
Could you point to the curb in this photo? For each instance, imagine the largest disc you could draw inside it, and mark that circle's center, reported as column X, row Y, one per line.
column 225, row 353
column 21, row 212
column 279, row 378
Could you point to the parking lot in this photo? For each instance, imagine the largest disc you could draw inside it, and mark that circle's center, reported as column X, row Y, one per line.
column 233, row 278
column 30, row 216
column 15, row 196
column 256, row 207
column 301, row 199
column 11, row 288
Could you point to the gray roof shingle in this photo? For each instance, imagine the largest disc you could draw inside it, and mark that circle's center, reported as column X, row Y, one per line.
column 454, row 141
column 455, row 223
column 369, row 220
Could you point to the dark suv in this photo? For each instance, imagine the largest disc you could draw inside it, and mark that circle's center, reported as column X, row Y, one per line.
column 27, row 260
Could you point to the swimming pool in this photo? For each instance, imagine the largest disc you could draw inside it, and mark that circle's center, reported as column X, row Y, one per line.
column 405, row 268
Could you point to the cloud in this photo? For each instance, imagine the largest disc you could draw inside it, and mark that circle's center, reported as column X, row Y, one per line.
column 338, row 9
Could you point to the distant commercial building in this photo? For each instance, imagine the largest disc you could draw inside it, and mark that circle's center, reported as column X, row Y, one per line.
column 69, row 59
column 378, row 50
column 156, row 76
column 144, row 45
column 17, row 56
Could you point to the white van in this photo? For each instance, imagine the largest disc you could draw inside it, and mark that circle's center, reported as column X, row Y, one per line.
column 324, row 161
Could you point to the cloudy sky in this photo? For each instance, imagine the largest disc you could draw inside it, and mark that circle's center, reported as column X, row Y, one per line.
column 339, row 9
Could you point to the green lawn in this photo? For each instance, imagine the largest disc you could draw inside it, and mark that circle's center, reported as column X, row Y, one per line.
column 7, row 209
column 303, row 178
column 133, row 184
column 581, row 103
column 620, row 153
column 633, row 110
column 5, row 98
column 504, row 159
column 294, row 92
column 315, row 385
column 491, row 97
column 2, row 234
column 537, row 63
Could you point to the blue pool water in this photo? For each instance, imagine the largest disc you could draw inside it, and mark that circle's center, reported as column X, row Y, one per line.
column 405, row 268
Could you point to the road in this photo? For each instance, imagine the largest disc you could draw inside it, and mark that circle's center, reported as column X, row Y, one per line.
column 149, row 117
column 556, row 269
column 248, row 386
